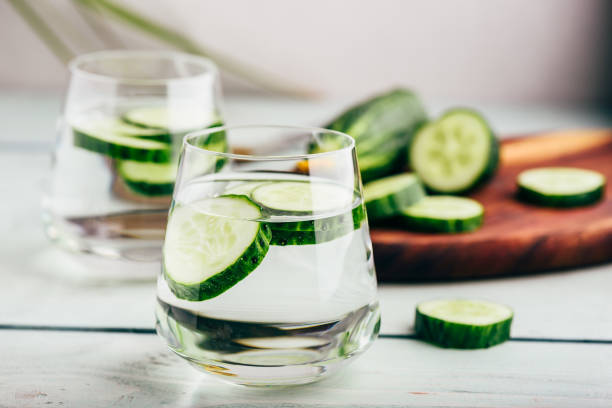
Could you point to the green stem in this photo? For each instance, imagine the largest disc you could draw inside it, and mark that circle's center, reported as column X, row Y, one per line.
column 181, row 42
column 44, row 32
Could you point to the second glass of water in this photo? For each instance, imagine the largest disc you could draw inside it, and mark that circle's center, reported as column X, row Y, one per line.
column 115, row 163
column 267, row 275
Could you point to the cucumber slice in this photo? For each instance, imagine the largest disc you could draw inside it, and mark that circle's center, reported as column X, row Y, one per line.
column 213, row 244
column 299, row 197
column 561, row 186
column 386, row 197
column 116, row 126
column 444, row 214
column 467, row 324
column 244, row 187
column 118, row 146
column 455, row 153
column 160, row 117
column 149, row 179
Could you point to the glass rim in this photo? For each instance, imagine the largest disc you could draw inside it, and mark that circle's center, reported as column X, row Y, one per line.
column 74, row 65
column 257, row 157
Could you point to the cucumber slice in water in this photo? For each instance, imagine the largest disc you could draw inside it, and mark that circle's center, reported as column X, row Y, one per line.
column 303, row 198
column 299, row 197
column 212, row 244
column 459, row 323
column 120, row 146
column 455, row 153
column 561, row 186
column 444, row 214
column 149, row 179
column 386, row 197
column 159, row 117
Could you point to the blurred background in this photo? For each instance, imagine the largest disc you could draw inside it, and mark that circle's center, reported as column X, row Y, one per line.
column 550, row 57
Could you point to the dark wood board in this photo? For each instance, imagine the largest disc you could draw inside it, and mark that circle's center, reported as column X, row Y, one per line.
column 516, row 238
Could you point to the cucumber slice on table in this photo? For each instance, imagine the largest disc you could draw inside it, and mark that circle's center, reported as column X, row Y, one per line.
column 561, row 186
column 159, row 117
column 463, row 323
column 149, row 179
column 120, row 146
column 211, row 245
column 386, row 197
column 454, row 153
column 444, row 214
column 302, row 199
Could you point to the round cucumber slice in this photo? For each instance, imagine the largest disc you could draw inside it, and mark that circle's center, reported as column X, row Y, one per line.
column 149, row 179
column 212, row 244
column 461, row 323
column 561, row 186
column 119, row 146
column 444, row 214
column 244, row 187
column 299, row 197
column 455, row 153
column 160, row 117
column 386, row 197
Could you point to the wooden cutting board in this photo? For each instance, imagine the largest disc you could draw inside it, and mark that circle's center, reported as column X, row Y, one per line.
column 516, row 238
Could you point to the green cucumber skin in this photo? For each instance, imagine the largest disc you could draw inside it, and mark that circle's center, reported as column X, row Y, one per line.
column 324, row 224
column 442, row 226
column 282, row 237
column 222, row 281
column 390, row 205
column 490, row 168
column 561, row 201
column 462, row 336
column 118, row 151
column 149, row 189
column 383, row 165
column 382, row 126
column 308, row 233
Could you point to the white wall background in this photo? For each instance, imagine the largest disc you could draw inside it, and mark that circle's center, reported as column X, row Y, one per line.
column 511, row 51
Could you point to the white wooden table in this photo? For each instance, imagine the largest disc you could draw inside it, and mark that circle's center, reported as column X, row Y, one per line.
column 69, row 341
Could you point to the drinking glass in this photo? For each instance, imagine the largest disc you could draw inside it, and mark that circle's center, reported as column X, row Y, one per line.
column 267, row 272
column 119, row 138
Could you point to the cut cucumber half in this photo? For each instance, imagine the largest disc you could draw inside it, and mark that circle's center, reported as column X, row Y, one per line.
column 213, row 244
column 160, row 117
column 300, row 197
column 119, row 146
column 374, row 166
column 386, row 197
column 460, row 323
column 561, row 186
column 444, row 214
column 454, row 153
column 149, row 179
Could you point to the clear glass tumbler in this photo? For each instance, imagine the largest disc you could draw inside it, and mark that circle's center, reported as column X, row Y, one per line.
column 115, row 163
column 267, row 273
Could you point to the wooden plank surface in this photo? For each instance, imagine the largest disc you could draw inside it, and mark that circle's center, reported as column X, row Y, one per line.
column 51, row 369
column 516, row 238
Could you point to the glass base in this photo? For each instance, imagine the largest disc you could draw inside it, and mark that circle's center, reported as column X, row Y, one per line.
column 272, row 376
column 108, row 257
column 267, row 354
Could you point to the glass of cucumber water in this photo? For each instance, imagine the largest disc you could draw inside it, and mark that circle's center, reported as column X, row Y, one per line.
column 267, row 272
column 120, row 135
